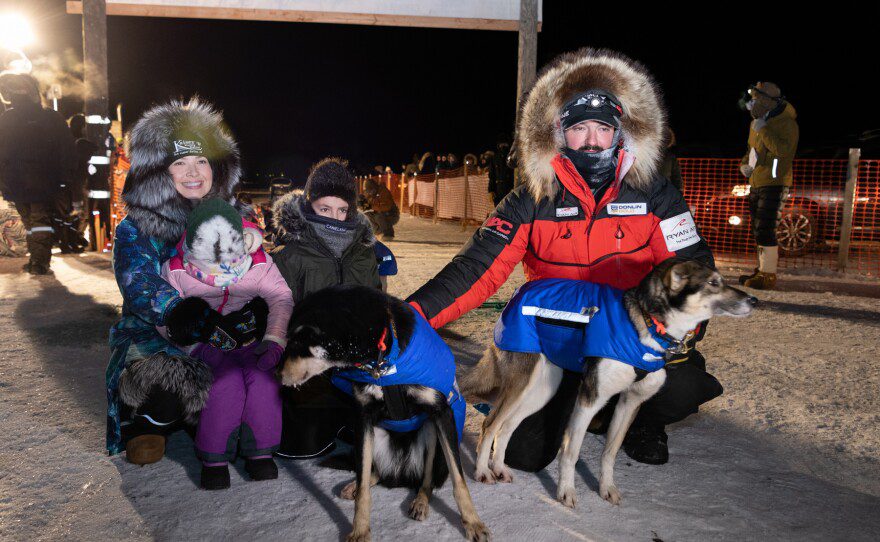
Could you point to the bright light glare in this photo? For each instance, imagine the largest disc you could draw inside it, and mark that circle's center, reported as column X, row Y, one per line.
column 15, row 31
column 741, row 190
column 734, row 220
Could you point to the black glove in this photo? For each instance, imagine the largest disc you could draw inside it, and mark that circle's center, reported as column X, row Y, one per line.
column 248, row 324
column 191, row 321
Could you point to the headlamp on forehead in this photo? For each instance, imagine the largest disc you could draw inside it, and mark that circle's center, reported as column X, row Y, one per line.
column 747, row 100
column 597, row 105
column 596, row 101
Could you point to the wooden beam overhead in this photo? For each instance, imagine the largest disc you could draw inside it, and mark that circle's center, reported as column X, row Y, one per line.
column 292, row 16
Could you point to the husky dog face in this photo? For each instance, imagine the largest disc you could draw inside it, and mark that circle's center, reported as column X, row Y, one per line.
column 701, row 292
column 216, row 241
column 305, row 357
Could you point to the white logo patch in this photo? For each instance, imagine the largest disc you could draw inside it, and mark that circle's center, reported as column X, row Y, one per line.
column 679, row 231
column 181, row 146
column 651, row 357
column 566, row 211
column 625, row 209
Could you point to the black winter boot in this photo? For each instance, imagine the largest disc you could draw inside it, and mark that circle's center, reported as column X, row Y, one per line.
column 647, row 444
column 261, row 469
column 216, row 477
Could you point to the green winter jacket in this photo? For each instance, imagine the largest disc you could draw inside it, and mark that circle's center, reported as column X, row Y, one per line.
column 775, row 145
column 308, row 264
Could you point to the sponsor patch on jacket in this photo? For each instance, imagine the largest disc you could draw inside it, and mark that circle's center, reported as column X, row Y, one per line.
column 680, row 231
column 505, row 229
column 625, row 209
column 566, row 211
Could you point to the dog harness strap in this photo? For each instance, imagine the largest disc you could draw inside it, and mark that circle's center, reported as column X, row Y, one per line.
column 396, row 403
column 427, row 361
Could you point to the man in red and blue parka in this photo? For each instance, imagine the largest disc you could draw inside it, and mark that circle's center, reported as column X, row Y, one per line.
column 592, row 206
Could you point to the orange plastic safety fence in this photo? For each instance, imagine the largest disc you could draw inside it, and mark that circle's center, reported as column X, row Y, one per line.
column 810, row 221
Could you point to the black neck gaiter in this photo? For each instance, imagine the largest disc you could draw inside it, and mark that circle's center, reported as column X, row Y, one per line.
column 596, row 168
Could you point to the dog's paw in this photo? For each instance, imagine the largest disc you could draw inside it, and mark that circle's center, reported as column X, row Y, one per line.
column 484, row 475
column 502, row 473
column 349, row 491
column 610, row 493
column 567, row 496
column 359, row 536
column 476, row 531
column 418, row 510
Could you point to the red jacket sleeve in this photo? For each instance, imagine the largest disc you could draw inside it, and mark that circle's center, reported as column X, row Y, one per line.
column 482, row 266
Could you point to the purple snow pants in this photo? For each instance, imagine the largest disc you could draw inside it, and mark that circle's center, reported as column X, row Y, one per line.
column 243, row 411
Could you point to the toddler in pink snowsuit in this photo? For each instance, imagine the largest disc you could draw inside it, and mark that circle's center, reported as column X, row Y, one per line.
column 221, row 260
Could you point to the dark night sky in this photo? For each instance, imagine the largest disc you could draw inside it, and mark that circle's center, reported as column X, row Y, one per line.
column 293, row 93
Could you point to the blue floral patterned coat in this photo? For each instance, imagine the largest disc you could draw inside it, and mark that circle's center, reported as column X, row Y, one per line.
column 146, row 298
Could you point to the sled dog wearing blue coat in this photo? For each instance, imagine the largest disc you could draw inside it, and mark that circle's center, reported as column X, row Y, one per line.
column 401, row 376
column 619, row 340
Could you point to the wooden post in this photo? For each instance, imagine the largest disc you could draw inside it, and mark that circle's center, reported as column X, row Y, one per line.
column 849, row 198
column 415, row 198
column 402, row 190
column 96, row 91
column 464, row 216
column 436, row 194
column 528, row 58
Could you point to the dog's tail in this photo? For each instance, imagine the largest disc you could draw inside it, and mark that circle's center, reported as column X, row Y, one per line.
column 483, row 378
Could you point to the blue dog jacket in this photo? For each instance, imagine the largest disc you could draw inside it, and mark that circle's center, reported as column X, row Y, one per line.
column 427, row 362
column 554, row 317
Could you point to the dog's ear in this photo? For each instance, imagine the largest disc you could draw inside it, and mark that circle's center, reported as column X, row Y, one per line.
column 677, row 277
column 305, row 335
column 253, row 240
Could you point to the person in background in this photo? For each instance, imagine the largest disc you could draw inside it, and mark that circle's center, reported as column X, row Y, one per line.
column 37, row 165
column 500, row 174
column 381, row 209
column 670, row 167
column 452, row 161
column 773, row 139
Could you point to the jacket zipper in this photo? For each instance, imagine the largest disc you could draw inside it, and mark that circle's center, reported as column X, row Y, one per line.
column 225, row 299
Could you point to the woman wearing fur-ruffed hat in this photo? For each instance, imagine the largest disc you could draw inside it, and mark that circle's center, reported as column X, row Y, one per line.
column 323, row 241
column 180, row 153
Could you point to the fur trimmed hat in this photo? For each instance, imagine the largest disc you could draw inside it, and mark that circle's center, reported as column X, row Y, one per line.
column 149, row 194
column 331, row 177
column 207, row 210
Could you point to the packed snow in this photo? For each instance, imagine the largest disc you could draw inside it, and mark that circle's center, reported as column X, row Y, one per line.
column 789, row 452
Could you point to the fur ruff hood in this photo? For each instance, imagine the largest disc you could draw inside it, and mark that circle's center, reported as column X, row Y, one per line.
column 149, row 194
column 643, row 124
column 289, row 219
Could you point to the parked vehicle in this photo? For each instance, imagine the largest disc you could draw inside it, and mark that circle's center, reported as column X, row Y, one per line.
column 811, row 218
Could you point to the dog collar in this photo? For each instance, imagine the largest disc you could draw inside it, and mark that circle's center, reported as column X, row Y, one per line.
column 672, row 346
column 377, row 366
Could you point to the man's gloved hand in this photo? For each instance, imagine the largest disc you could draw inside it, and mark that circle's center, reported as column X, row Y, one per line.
column 191, row 321
column 269, row 353
column 746, row 170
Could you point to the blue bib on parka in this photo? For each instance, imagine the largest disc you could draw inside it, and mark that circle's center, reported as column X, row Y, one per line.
column 427, row 362
column 552, row 317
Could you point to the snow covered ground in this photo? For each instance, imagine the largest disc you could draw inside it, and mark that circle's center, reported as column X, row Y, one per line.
column 790, row 451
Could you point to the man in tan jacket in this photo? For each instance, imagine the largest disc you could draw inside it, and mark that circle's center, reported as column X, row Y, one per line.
column 773, row 138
